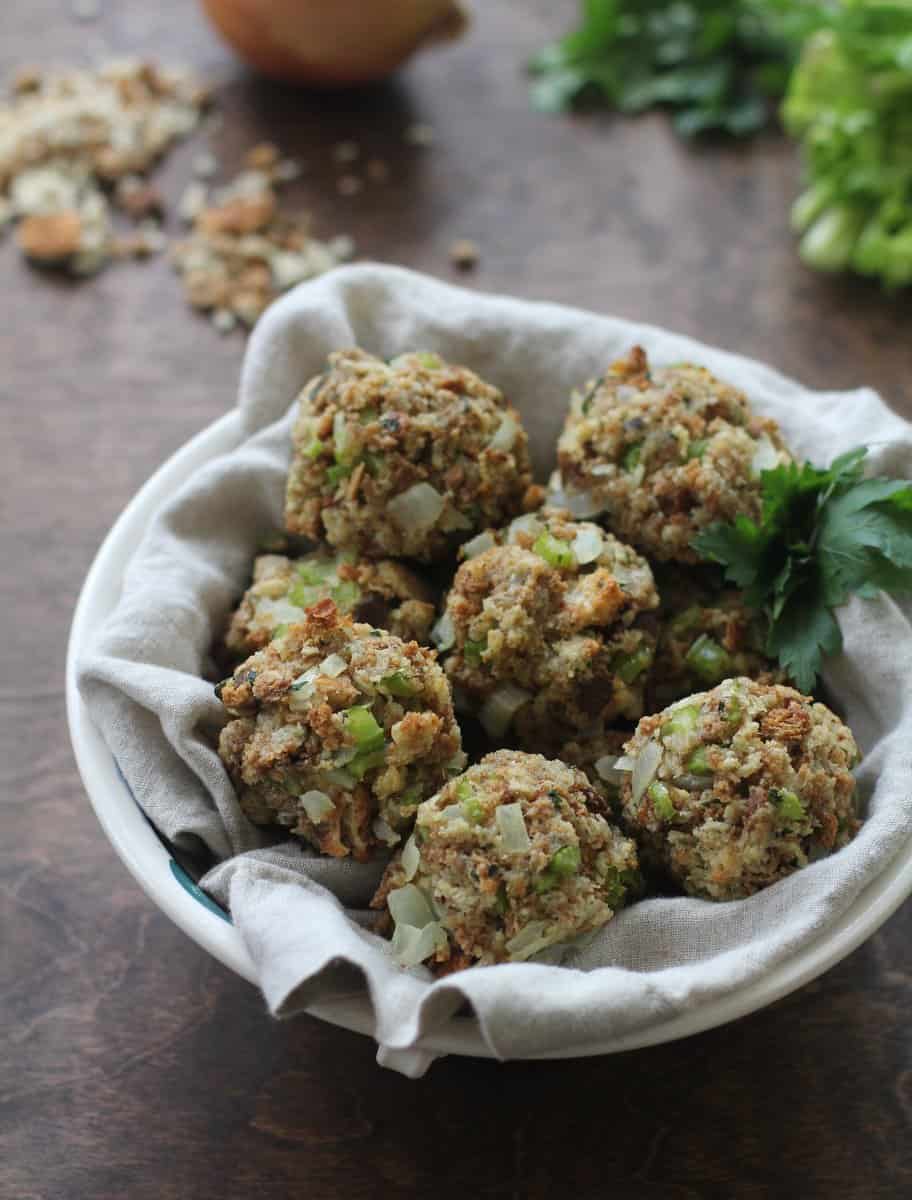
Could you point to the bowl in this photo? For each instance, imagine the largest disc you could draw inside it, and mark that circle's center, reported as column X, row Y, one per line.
column 175, row 893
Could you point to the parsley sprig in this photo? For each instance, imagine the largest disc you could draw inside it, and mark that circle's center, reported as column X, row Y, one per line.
column 823, row 535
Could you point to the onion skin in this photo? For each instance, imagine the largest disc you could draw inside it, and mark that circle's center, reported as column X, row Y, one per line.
column 332, row 43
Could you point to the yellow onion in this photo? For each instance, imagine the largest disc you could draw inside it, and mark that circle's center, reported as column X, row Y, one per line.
column 332, row 42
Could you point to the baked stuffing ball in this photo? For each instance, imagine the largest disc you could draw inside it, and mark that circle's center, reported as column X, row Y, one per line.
column 384, row 594
column 706, row 634
column 339, row 732
column 509, row 858
column 548, row 633
column 406, row 458
column 736, row 788
column 663, row 453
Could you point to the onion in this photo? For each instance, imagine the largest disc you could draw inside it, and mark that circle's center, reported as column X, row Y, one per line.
column 606, row 768
column 385, row 833
column 645, row 767
column 412, row 945
column 624, row 763
column 501, row 707
column 409, row 906
column 512, row 826
column 598, row 469
column 317, row 805
column 588, row 544
column 580, row 504
column 333, row 666
column 453, row 521
column 505, row 437
column 443, row 634
column 528, row 524
column 528, row 941
column 418, row 507
column 411, row 858
column 478, row 544
column 348, row 41
column 692, row 783
column 282, row 612
column 766, row 456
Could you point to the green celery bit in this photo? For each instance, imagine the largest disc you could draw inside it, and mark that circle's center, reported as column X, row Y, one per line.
column 473, row 810
column 397, row 684
column 555, row 552
column 362, row 725
column 631, row 457
column 314, row 449
column 615, row 890
column 631, row 666
column 565, row 862
column 336, row 473
column 431, row 361
column 708, row 660
column 682, row 720
column 366, row 761
column 374, row 462
column 303, row 595
column 686, row 621
column 474, row 650
column 662, row 804
column 345, row 595
column 734, row 712
column 411, row 795
column 698, row 764
column 696, row 449
column 788, row 803
column 279, row 631
column 501, row 903
column 315, row 571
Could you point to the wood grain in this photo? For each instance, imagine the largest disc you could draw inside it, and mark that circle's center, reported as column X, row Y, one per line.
column 131, row 1064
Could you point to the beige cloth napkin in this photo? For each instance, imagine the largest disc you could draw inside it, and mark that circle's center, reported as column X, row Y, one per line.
column 303, row 918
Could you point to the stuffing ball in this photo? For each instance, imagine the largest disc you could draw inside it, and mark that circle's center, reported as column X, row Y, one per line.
column 548, row 630
column 384, row 594
column 339, row 732
column 407, row 458
column 736, row 788
column 511, row 857
column 706, row 634
column 664, row 453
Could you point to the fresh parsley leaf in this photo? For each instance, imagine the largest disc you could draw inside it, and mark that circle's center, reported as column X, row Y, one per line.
column 824, row 535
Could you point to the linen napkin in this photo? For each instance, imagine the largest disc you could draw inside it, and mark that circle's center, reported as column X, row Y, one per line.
column 304, row 918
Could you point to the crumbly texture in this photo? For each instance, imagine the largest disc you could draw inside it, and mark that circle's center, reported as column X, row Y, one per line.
column 384, row 594
column 662, row 453
column 243, row 252
column 407, row 458
column 339, row 732
column 752, row 782
column 497, row 904
column 65, row 137
column 596, row 756
column 575, row 637
column 706, row 634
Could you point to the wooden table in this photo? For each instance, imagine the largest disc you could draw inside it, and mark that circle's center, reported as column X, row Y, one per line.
column 131, row 1064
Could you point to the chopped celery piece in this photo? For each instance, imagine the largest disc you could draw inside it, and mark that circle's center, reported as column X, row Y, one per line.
column 345, row 595
column 315, row 571
column 430, row 361
column 303, row 595
column 464, row 790
column 565, row 861
column 698, row 764
column 397, row 684
column 631, row 666
column 365, row 761
column 697, row 448
column 314, row 449
column 501, row 903
column 362, row 725
column 473, row 810
column 788, row 804
column 631, row 458
column 685, row 621
column 279, row 631
column 734, row 711
column 708, row 660
column 660, row 796
column 682, row 720
column 336, row 473
column 555, row 552
column 411, row 795
column 474, row 650
column 374, row 462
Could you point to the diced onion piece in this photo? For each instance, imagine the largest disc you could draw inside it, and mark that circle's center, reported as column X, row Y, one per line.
column 411, row 858
column 606, row 768
column 528, row 941
column 501, row 707
column 602, row 469
column 443, row 634
column 279, row 612
column 512, row 826
column 505, row 437
column 588, row 544
column 409, row 906
column 528, row 524
column 333, row 666
column 580, row 504
column 478, row 544
column 412, row 945
column 624, row 763
column 452, row 812
column 766, row 456
column 317, row 805
column 418, row 507
column 453, row 521
column 647, row 763
column 383, row 832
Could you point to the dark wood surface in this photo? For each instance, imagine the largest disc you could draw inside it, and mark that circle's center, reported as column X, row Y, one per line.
column 133, row 1065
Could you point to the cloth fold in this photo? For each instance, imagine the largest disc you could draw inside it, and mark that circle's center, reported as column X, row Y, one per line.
column 303, row 917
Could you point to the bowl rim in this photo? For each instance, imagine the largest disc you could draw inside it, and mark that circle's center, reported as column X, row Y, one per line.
column 150, row 863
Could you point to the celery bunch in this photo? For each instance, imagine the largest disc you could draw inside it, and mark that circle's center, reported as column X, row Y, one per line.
column 849, row 101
